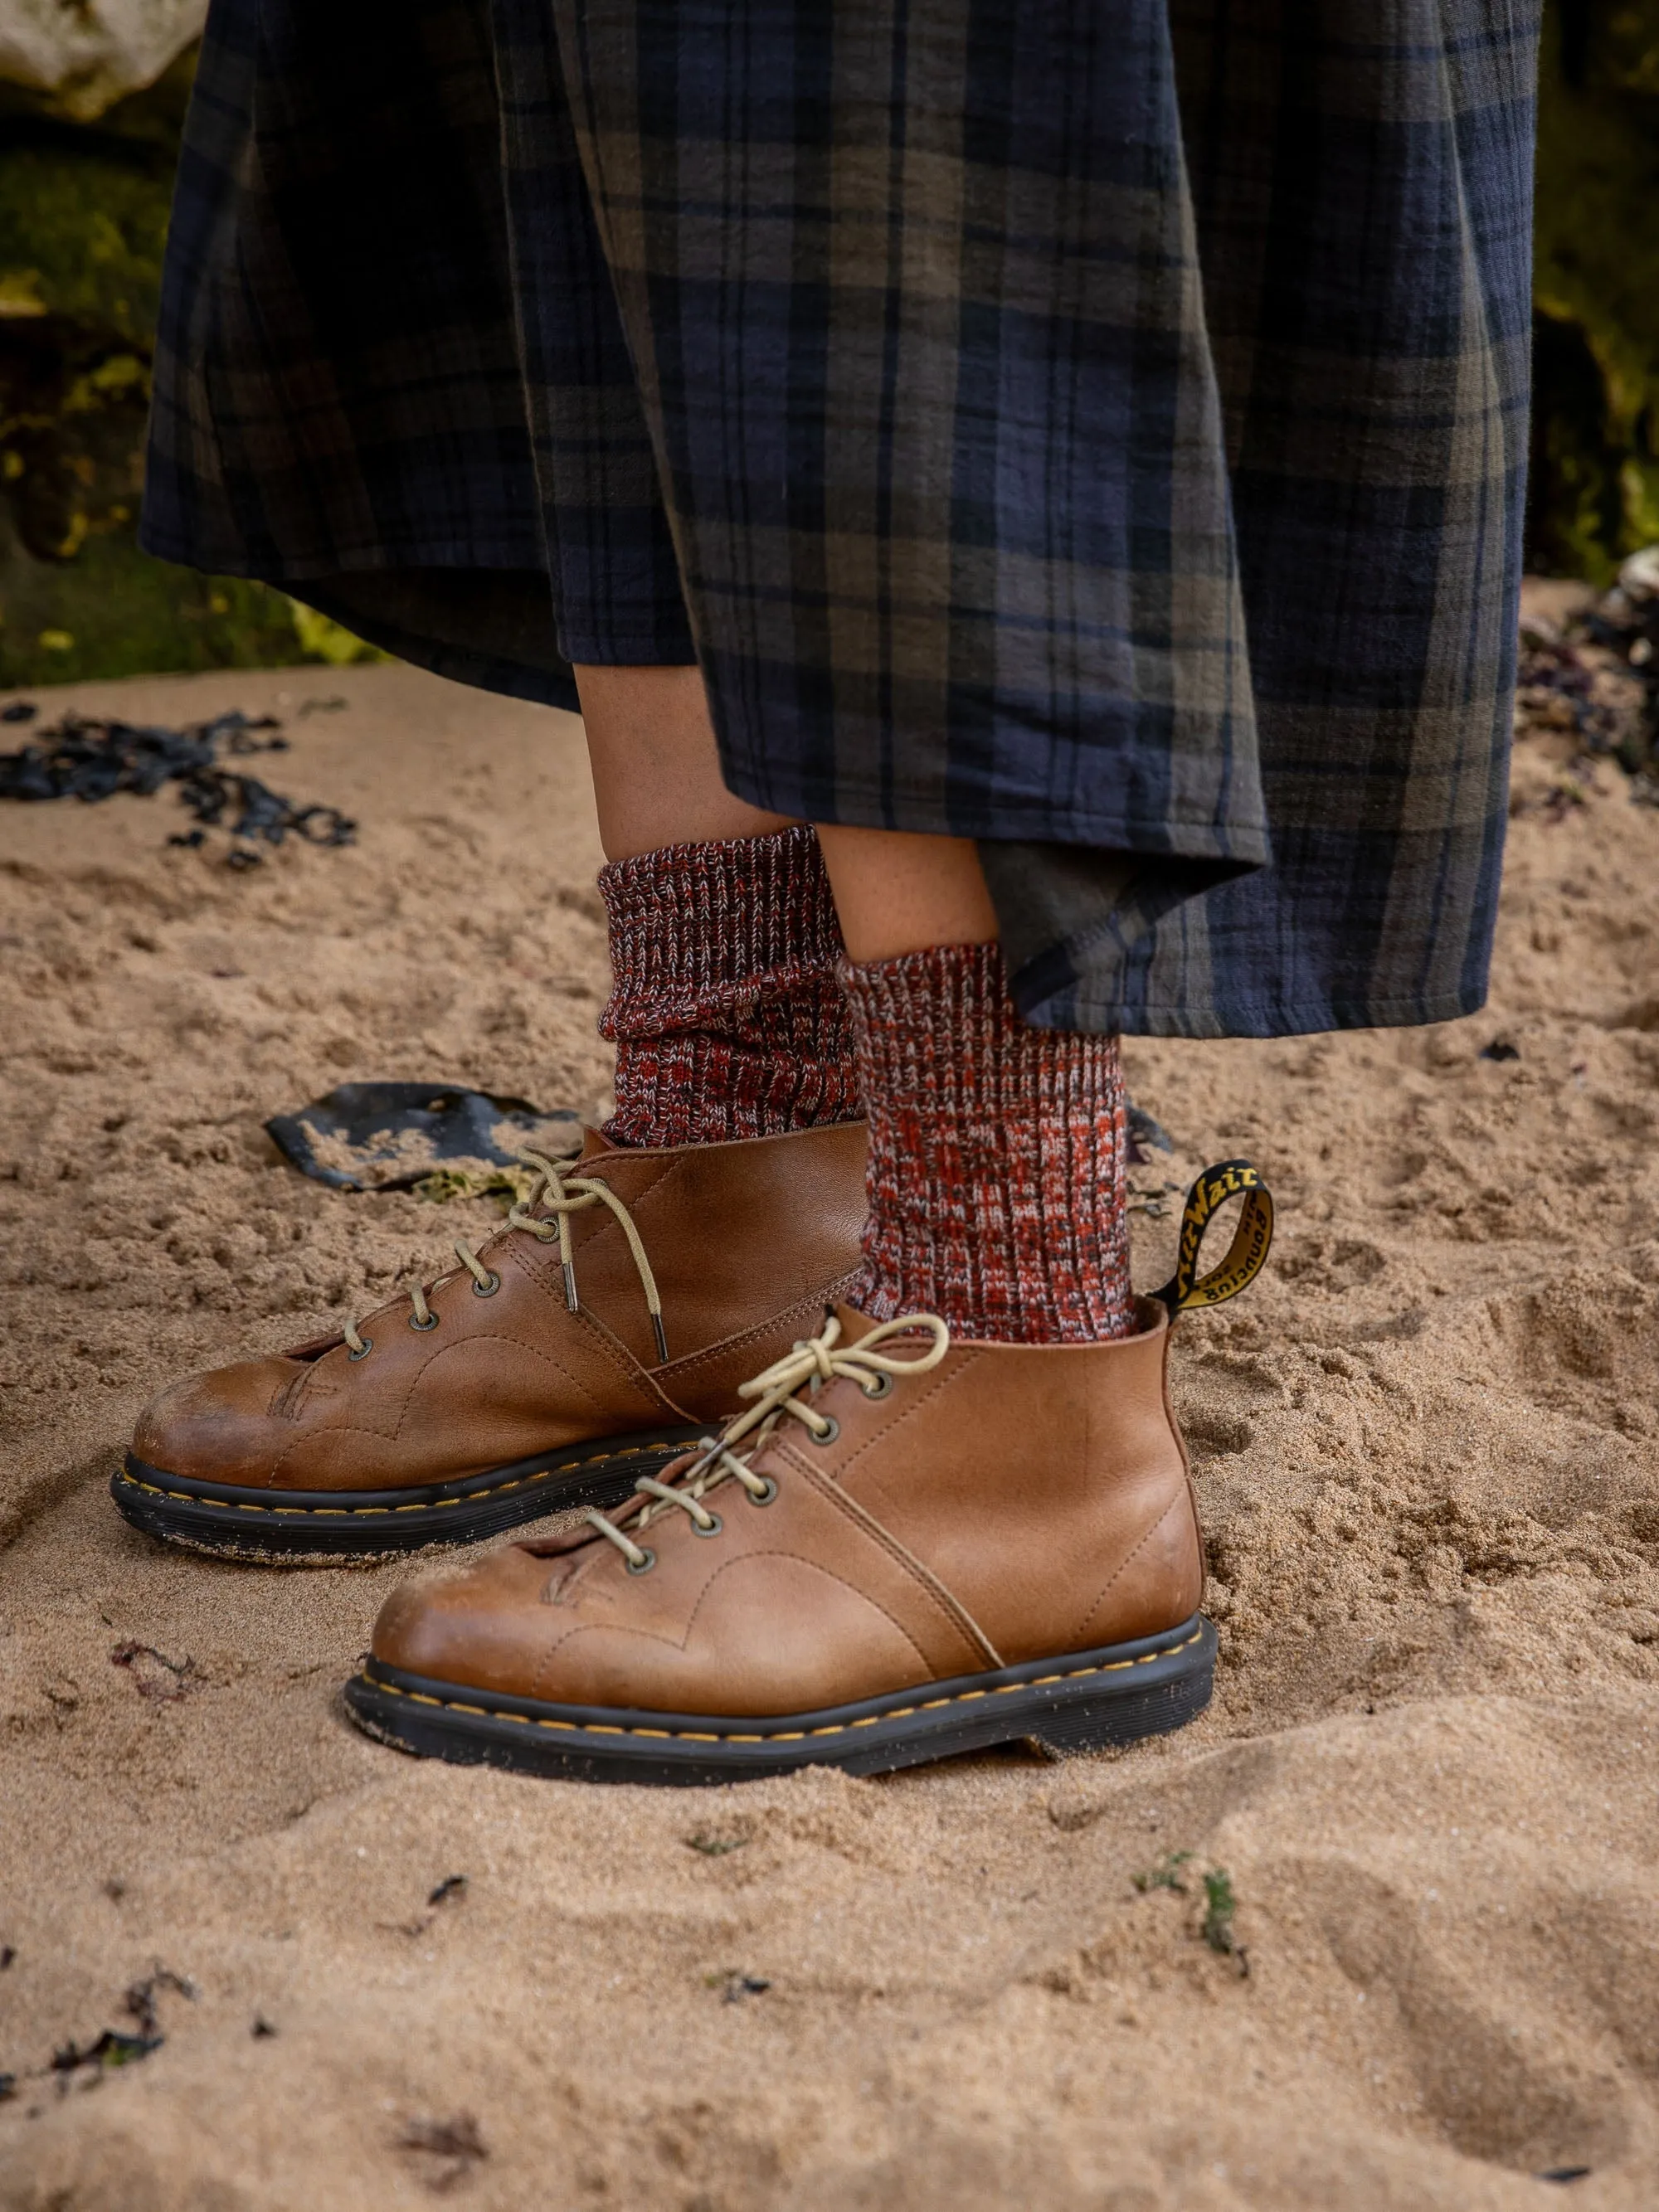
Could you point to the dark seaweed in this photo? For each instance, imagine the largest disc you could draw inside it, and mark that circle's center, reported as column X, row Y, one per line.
column 457, row 1124
column 85, row 758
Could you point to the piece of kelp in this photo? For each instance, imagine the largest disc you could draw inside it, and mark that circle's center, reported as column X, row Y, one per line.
column 391, row 1136
column 1146, row 1135
column 85, row 757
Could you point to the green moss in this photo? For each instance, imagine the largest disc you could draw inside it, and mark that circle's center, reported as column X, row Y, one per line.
column 508, row 1186
column 1624, row 55
column 113, row 612
column 81, row 232
column 1219, row 1906
column 83, row 214
column 1166, row 1875
column 1596, row 275
column 322, row 638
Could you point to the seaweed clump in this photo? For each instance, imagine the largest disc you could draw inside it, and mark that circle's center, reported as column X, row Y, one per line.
column 89, row 758
column 1590, row 670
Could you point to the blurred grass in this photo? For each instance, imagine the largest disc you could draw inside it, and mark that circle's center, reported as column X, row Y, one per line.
column 1595, row 434
column 84, row 216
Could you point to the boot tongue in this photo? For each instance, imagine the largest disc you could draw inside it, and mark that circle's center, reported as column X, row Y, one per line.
column 595, row 1146
column 854, row 1325
column 563, row 1540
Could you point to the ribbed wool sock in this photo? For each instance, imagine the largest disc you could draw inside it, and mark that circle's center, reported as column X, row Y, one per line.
column 997, row 1156
column 725, row 1009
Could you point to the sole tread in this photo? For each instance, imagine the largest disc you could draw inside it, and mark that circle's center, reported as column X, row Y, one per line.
column 309, row 1527
column 1082, row 1701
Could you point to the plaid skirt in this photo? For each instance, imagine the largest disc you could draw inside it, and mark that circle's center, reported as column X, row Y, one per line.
column 1098, row 431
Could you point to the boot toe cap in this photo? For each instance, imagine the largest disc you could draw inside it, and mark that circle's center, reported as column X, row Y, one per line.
column 477, row 1625
column 217, row 1426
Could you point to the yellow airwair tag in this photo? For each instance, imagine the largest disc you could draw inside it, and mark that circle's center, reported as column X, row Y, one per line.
column 1246, row 1254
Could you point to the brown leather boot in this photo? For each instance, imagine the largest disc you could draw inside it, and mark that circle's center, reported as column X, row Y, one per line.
column 927, row 1550
column 904, row 1548
column 586, row 1343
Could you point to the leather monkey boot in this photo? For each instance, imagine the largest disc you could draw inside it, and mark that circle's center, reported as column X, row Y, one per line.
column 606, row 1326
column 905, row 1547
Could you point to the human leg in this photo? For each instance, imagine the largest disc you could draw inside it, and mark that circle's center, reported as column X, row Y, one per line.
column 705, row 1230
column 989, row 1496
column 906, row 625
column 725, row 1009
column 997, row 1150
column 656, row 768
column 562, row 1389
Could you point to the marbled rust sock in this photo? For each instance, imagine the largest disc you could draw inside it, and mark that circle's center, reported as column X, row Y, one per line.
column 725, row 1009
column 997, row 1156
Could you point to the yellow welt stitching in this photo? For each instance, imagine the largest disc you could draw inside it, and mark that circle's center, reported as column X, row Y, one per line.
column 799, row 1735
column 352, row 1512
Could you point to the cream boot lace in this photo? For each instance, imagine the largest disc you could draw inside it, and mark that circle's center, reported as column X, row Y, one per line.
column 813, row 1361
column 562, row 1193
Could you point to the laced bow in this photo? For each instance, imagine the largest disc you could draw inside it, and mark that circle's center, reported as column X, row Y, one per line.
column 563, row 1192
column 778, row 1395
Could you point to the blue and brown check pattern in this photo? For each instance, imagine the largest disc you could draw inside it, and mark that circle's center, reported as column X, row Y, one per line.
column 1098, row 431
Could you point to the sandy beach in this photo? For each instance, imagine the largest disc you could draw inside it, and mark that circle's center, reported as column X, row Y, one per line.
column 1427, row 1445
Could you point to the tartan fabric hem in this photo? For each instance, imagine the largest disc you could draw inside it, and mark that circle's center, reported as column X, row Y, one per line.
column 199, row 548
column 1267, row 1017
column 1001, row 816
column 619, row 649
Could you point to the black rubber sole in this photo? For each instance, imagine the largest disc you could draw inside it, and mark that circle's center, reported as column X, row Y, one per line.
column 1085, row 1701
column 292, row 1528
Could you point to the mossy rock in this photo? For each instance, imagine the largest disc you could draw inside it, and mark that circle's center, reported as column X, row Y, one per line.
column 1595, row 448
column 113, row 612
column 83, row 210
column 81, row 233
column 84, row 216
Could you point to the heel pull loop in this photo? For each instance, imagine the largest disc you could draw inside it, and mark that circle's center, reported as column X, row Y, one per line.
column 1247, row 1253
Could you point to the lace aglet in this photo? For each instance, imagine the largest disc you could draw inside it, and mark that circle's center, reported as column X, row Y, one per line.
column 569, row 1266
column 661, row 1336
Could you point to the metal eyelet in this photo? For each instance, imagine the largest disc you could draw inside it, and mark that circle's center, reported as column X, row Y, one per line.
column 712, row 1527
column 486, row 1289
column 756, row 1497
column 880, row 1386
column 646, row 1563
column 368, row 1346
column 431, row 1322
column 828, row 1433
